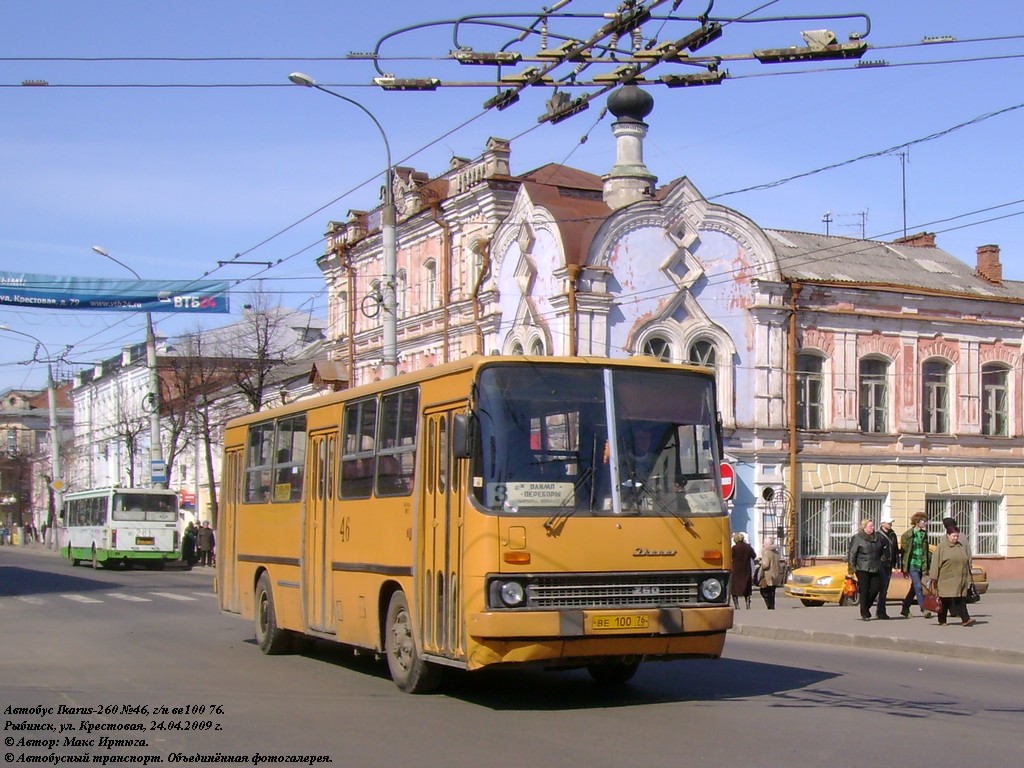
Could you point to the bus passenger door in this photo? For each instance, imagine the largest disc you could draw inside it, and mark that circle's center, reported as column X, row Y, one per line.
column 227, row 526
column 316, row 565
column 440, row 553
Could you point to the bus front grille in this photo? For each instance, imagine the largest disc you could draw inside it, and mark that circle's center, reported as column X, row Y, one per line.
column 639, row 590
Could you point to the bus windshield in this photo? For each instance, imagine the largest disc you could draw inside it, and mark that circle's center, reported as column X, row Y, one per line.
column 149, row 507
column 590, row 441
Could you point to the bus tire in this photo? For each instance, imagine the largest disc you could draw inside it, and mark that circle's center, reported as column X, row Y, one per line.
column 74, row 560
column 95, row 562
column 613, row 672
column 408, row 671
column 271, row 639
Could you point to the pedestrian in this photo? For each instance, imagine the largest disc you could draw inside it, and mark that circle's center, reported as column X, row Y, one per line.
column 865, row 559
column 206, row 544
column 771, row 572
column 188, row 545
column 916, row 559
column 950, row 576
column 743, row 556
column 890, row 559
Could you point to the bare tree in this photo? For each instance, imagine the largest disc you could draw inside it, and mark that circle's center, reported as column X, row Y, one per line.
column 193, row 379
column 260, row 345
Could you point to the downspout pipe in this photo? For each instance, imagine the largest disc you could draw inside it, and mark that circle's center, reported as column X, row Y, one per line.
column 485, row 270
column 446, row 277
column 794, row 480
column 574, row 271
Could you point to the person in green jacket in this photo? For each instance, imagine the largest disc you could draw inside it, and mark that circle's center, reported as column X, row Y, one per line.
column 916, row 561
column 951, row 574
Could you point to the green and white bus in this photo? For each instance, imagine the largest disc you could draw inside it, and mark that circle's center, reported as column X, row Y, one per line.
column 117, row 526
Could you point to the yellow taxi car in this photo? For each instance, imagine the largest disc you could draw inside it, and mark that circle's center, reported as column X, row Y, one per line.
column 822, row 583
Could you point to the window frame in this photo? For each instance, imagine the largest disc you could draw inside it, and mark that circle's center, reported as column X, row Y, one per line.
column 936, row 385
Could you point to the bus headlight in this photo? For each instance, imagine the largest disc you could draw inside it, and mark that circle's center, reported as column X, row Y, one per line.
column 711, row 590
column 512, row 593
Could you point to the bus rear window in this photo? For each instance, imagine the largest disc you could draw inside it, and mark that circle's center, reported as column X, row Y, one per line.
column 145, row 507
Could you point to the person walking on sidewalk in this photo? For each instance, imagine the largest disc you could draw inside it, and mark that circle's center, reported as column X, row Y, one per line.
column 865, row 559
column 743, row 557
column 916, row 560
column 890, row 559
column 951, row 573
column 771, row 572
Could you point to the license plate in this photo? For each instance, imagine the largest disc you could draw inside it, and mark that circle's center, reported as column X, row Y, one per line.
column 144, row 541
column 620, row 622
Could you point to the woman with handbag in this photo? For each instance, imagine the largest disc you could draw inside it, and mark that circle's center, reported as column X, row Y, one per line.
column 950, row 575
column 771, row 572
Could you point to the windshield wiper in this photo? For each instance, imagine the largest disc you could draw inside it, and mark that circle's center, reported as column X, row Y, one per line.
column 564, row 510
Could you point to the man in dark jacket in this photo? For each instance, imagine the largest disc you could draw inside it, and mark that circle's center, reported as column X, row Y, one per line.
column 890, row 559
column 206, row 544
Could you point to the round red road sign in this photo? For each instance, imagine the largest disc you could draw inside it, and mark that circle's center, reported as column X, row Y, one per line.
column 728, row 480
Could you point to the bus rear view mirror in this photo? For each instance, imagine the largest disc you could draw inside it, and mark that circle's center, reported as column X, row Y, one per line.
column 462, row 432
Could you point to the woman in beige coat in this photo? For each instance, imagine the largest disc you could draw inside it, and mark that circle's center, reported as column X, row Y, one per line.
column 950, row 573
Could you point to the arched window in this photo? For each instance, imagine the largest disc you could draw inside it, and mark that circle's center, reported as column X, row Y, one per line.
column 517, row 348
column 810, row 392
column 995, row 400
column 874, row 395
column 429, row 284
column 702, row 353
column 537, row 347
column 658, row 348
column 935, row 397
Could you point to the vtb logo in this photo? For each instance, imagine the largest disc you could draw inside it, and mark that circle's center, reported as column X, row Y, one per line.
column 193, row 302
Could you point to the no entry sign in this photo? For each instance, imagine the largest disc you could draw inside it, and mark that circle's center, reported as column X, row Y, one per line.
column 728, row 480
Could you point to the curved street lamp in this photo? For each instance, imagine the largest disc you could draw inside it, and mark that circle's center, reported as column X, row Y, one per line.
column 156, row 451
column 387, row 230
column 56, row 481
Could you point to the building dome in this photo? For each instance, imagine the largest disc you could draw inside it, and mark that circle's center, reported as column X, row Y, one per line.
column 630, row 101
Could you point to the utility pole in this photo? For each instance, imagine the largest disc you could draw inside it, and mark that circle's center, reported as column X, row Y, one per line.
column 152, row 400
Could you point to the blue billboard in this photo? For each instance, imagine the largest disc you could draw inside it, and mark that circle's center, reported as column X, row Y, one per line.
column 25, row 290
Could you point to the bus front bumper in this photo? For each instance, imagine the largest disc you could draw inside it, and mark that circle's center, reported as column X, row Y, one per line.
column 574, row 637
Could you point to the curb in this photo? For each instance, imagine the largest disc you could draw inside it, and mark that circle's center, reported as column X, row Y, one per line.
column 929, row 647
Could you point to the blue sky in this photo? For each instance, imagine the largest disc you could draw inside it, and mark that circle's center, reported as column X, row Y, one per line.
column 174, row 166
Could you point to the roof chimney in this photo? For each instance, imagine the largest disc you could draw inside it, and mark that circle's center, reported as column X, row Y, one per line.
column 629, row 180
column 920, row 240
column 989, row 266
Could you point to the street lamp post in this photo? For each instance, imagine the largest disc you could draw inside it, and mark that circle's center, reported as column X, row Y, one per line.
column 56, row 481
column 156, row 451
column 388, row 220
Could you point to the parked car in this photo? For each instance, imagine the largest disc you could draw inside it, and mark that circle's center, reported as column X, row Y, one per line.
column 822, row 583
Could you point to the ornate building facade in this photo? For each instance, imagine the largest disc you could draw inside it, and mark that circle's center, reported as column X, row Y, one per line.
column 856, row 378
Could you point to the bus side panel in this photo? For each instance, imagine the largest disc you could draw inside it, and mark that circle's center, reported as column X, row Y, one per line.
column 371, row 549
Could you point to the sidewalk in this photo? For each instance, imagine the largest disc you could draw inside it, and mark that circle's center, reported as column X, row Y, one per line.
column 996, row 637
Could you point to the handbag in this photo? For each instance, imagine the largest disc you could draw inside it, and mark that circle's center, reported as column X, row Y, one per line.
column 932, row 602
column 972, row 595
column 850, row 587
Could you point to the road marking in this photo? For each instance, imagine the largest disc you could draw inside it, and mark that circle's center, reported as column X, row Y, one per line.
column 129, row 598
column 32, row 600
column 205, row 594
column 81, row 599
column 172, row 596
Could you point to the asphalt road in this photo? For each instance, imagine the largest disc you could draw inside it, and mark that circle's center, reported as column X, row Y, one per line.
column 156, row 640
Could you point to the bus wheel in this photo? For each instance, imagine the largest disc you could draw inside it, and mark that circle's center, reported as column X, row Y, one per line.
column 271, row 638
column 74, row 560
column 613, row 672
column 95, row 562
column 410, row 673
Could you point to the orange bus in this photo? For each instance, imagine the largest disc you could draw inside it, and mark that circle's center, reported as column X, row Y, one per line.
column 565, row 512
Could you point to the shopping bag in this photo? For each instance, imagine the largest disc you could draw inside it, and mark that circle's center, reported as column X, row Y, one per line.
column 932, row 602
